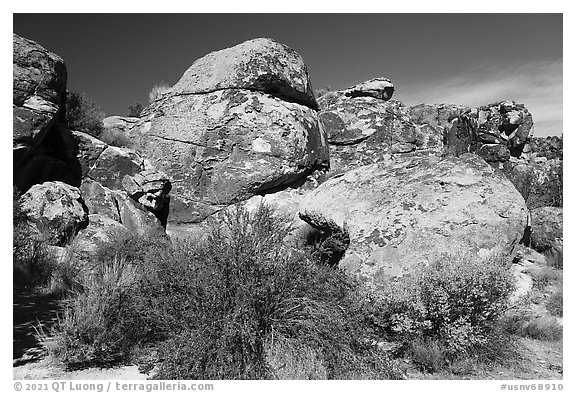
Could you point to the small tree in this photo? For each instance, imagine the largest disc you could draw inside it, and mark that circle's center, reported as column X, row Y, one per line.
column 83, row 114
column 135, row 110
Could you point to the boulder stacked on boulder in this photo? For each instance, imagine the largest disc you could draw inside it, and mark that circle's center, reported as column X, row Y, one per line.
column 75, row 188
column 240, row 122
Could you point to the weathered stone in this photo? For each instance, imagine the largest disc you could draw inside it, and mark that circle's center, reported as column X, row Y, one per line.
column 118, row 206
column 380, row 88
column 408, row 211
column 39, row 76
column 98, row 235
column 57, row 209
column 362, row 130
column 113, row 164
column 150, row 188
column 547, row 228
column 223, row 147
column 507, row 123
column 260, row 64
column 89, row 150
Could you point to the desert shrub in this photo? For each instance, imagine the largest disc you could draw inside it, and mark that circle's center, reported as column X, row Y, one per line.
column 135, row 110
column 556, row 301
column 428, row 354
column 452, row 302
column 33, row 264
column 209, row 309
column 83, row 114
column 157, row 91
column 555, row 256
column 543, row 328
column 115, row 137
column 92, row 328
column 543, row 276
column 328, row 247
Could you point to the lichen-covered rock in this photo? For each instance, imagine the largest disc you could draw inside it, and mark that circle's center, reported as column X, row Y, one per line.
column 547, row 228
column 42, row 147
column 362, row 129
column 260, row 64
column 57, row 210
column 118, row 206
column 97, row 236
column 124, row 169
column 406, row 211
column 39, row 88
column 239, row 123
column 380, row 88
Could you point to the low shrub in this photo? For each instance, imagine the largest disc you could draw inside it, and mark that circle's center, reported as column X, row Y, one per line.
column 212, row 309
column 115, row 137
column 454, row 303
column 555, row 303
column 135, row 110
column 543, row 328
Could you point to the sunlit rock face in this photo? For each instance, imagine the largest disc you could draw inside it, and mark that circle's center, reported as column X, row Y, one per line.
column 240, row 122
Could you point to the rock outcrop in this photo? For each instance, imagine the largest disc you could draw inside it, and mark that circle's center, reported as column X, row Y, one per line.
column 43, row 148
column 124, row 169
column 240, row 122
column 406, row 211
column 364, row 126
column 56, row 209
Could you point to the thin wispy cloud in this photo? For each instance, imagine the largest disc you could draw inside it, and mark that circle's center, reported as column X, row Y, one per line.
column 538, row 85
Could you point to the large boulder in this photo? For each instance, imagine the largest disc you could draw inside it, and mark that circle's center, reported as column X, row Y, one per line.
column 362, row 129
column 547, row 228
column 39, row 89
column 260, row 64
column 240, row 122
column 56, row 209
column 43, row 148
column 406, row 211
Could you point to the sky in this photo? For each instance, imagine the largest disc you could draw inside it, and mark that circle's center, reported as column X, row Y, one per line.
column 469, row 59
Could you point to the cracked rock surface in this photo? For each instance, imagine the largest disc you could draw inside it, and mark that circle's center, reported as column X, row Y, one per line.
column 240, row 122
column 406, row 211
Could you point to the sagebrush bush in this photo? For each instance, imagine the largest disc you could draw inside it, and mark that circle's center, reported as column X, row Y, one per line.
column 83, row 114
column 555, row 304
column 157, row 91
column 453, row 301
column 209, row 309
column 135, row 110
column 115, row 137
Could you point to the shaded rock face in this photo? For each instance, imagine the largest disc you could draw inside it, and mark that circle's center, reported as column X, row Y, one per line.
column 43, row 148
column 57, row 209
column 547, row 228
column 124, row 169
column 240, row 122
column 407, row 211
